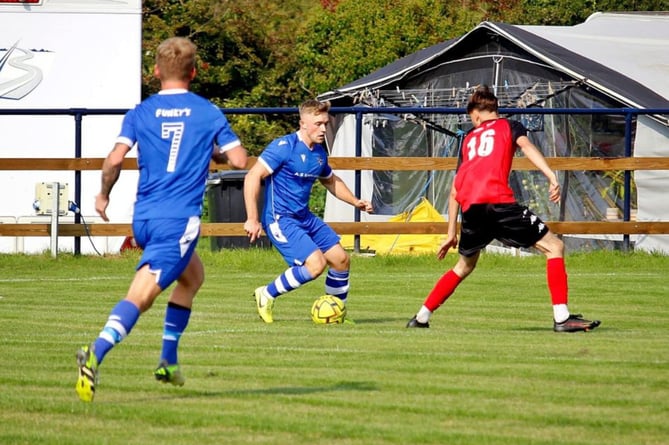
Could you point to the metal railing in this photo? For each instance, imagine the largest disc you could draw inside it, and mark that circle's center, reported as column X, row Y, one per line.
column 77, row 164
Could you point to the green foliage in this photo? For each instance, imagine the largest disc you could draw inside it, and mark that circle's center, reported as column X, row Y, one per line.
column 258, row 130
column 245, row 56
column 262, row 53
column 489, row 370
column 572, row 12
column 360, row 37
column 255, row 131
column 550, row 12
column 229, row 37
column 238, row 41
column 317, row 199
column 614, row 192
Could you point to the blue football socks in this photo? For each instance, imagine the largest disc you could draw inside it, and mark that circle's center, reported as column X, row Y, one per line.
column 292, row 278
column 176, row 320
column 119, row 324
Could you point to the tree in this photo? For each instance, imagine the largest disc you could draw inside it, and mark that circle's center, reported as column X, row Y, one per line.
column 343, row 43
column 572, row 12
column 244, row 50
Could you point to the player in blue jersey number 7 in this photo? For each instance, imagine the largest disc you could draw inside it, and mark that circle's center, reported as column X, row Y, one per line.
column 289, row 166
column 177, row 133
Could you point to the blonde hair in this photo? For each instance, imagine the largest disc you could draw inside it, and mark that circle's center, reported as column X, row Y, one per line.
column 175, row 58
column 313, row 106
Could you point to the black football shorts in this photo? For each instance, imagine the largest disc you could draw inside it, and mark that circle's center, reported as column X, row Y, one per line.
column 512, row 224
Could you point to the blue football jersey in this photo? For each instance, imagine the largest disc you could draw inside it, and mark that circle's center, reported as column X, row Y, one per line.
column 294, row 168
column 175, row 132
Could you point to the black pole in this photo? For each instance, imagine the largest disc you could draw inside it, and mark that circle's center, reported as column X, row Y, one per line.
column 78, row 114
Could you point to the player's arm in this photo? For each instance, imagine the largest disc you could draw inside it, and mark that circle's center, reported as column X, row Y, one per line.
column 340, row 190
column 451, row 234
column 111, row 170
column 235, row 157
column 252, row 185
column 534, row 155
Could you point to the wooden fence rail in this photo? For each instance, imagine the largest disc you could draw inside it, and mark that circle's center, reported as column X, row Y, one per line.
column 352, row 163
column 352, row 228
column 368, row 163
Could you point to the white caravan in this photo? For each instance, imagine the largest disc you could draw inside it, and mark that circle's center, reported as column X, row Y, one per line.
column 65, row 54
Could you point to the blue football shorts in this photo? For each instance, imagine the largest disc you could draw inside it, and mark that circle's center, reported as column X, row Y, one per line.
column 168, row 245
column 297, row 238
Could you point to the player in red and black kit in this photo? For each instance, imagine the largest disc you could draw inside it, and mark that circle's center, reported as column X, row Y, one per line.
column 490, row 211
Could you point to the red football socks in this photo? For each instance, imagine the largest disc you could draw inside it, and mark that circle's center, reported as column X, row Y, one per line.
column 442, row 290
column 556, row 276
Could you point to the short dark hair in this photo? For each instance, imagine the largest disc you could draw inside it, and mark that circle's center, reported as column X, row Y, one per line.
column 483, row 99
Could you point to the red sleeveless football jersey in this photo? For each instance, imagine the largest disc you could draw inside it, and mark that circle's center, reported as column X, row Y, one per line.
column 485, row 163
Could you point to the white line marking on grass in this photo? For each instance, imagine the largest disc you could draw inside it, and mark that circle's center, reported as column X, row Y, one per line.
column 25, row 280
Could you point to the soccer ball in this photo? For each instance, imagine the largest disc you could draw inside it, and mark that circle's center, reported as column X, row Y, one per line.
column 328, row 310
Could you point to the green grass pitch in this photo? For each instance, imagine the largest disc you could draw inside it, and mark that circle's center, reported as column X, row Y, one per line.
column 488, row 371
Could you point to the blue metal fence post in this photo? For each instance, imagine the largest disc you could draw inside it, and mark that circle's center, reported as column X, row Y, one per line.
column 628, row 178
column 358, row 176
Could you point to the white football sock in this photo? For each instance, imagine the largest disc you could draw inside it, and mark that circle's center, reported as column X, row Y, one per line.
column 423, row 315
column 560, row 312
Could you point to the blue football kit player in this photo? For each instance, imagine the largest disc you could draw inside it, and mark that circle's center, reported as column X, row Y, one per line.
column 289, row 166
column 177, row 133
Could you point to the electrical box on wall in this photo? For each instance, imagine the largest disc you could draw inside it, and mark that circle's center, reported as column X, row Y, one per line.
column 46, row 200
